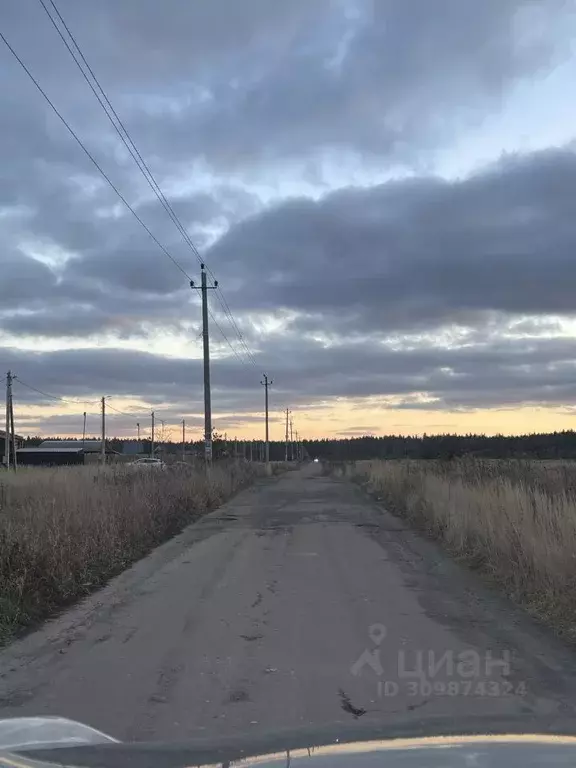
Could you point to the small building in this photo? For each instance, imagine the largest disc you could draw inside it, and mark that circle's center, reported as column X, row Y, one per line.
column 19, row 442
column 52, row 453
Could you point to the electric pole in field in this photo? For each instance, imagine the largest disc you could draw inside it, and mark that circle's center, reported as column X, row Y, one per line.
column 84, row 431
column 291, row 441
column 267, row 384
column 152, row 435
column 103, row 447
column 183, row 439
column 138, row 428
column 287, row 434
column 7, row 433
column 13, row 432
column 206, row 345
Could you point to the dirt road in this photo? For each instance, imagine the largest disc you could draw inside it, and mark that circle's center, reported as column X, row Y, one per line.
column 298, row 603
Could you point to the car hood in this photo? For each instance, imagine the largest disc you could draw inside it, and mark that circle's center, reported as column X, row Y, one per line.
column 36, row 742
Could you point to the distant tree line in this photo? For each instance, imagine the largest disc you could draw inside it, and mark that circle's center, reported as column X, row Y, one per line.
column 552, row 445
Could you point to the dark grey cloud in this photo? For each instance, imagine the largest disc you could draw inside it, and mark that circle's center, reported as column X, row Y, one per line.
column 380, row 77
column 372, row 76
column 413, row 254
column 361, row 430
column 416, row 254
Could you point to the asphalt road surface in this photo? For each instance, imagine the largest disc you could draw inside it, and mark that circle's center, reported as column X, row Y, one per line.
column 298, row 603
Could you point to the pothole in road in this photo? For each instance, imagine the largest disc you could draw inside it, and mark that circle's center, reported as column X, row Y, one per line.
column 238, row 695
column 347, row 705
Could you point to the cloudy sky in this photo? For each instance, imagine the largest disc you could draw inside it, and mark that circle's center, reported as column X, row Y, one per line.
column 385, row 190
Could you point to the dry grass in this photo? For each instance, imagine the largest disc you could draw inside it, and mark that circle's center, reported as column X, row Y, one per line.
column 65, row 531
column 514, row 520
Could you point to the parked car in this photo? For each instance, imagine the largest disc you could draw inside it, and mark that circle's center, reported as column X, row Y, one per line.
column 148, row 463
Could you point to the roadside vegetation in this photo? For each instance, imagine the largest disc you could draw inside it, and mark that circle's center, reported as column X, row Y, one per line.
column 66, row 531
column 514, row 520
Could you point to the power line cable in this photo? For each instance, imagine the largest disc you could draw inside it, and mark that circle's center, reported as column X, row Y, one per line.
column 54, row 397
column 122, row 413
column 226, row 339
column 110, row 112
column 128, row 142
column 138, row 412
column 228, row 313
column 90, row 156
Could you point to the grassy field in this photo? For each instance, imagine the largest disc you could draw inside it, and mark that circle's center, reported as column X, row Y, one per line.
column 514, row 520
column 65, row 531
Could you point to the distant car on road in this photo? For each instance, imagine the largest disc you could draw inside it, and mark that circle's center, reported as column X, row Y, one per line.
column 148, row 463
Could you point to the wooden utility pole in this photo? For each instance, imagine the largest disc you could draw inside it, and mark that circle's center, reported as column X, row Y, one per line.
column 103, row 447
column 287, row 434
column 12, row 431
column 138, row 428
column 207, row 390
column 7, row 430
column 204, row 288
column 152, row 436
column 291, row 442
column 84, row 432
column 183, row 439
column 267, row 384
